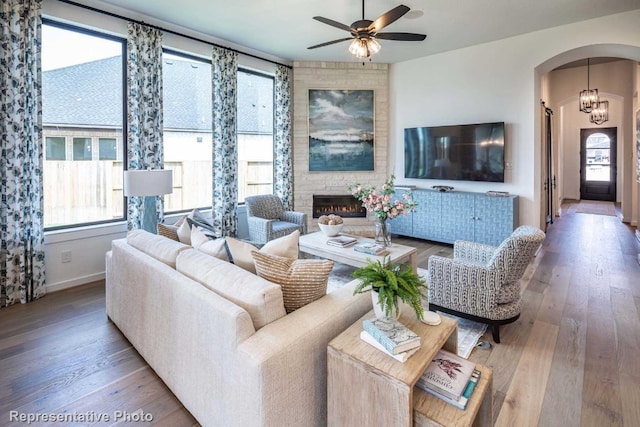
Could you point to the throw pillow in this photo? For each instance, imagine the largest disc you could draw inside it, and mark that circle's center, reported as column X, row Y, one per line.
column 285, row 246
column 184, row 233
column 203, row 243
column 240, row 252
column 198, row 237
column 169, row 231
column 302, row 280
column 205, row 226
column 185, row 223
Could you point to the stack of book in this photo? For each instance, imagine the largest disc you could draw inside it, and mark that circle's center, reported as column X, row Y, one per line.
column 451, row 378
column 342, row 241
column 391, row 337
column 371, row 248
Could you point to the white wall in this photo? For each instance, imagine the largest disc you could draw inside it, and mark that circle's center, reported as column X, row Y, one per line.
column 497, row 81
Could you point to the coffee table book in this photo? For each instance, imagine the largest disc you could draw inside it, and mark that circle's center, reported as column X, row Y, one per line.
column 466, row 395
column 371, row 248
column 400, row 357
column 447, row 374
column 342, row 241
column 393, row 335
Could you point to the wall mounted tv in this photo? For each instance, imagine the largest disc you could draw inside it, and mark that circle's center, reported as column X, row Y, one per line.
column 461, row 152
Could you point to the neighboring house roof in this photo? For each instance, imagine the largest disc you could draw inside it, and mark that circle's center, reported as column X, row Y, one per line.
column 90, row 94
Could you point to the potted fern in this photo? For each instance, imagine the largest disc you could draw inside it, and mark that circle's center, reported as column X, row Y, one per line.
column 389, row 282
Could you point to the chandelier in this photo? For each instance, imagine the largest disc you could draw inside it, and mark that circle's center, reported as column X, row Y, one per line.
column 599, row 112
column 588, row 97
column 364, row 47
column 591, row 104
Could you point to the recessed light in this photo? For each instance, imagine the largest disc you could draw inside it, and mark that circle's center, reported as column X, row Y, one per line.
column 414, row 14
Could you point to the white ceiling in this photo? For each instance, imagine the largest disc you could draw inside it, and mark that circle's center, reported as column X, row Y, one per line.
column 285, row 28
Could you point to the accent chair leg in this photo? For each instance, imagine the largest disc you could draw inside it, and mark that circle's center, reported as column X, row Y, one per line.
column 495, row 331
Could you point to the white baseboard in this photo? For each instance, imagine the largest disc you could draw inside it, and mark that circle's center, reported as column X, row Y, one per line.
column 74, row 282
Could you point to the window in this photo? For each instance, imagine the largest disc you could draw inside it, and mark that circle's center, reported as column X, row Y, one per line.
column 108, row 149
column 598, row 152
column 255, row 134
column 187, row 133
column 56, row 148
column 82, row 113
column 81, row 148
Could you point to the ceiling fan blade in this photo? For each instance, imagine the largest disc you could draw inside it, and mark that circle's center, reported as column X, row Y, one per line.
column 388, row 18
column 333, row 23
column 331, row 42
column 406, row 37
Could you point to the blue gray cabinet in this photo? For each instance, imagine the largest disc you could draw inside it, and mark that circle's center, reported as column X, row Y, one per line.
column 456, row 215
column 427, row 223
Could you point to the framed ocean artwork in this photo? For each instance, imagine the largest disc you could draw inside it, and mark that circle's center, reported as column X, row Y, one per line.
column 341, row 130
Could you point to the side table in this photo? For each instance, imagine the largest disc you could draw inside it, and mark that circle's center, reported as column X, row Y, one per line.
column 367, row 387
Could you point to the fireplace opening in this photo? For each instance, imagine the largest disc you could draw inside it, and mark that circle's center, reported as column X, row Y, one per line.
column 346, row 206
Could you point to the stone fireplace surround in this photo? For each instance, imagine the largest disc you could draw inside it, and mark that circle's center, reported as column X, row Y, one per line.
column 344, row 76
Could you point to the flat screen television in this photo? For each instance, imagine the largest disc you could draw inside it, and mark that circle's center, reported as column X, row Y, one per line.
column 461, row 152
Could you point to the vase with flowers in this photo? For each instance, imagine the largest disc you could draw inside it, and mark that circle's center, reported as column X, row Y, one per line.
column 382, row 204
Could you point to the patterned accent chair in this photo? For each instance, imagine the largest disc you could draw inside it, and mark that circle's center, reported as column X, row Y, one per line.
column 268, row 220
column 482, row 282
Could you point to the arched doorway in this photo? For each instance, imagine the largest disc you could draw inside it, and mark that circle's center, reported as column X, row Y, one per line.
column 598, row 164
column 628, row 189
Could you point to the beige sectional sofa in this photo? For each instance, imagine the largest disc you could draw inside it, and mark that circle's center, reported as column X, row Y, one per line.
column 219, row 337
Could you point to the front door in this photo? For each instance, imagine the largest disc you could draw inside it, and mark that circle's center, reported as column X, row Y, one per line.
column 598, row 164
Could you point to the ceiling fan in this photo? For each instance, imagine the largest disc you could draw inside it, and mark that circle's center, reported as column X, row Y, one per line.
column 365, row 32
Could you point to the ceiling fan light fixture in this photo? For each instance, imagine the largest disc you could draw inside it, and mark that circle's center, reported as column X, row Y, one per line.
column 364, row 47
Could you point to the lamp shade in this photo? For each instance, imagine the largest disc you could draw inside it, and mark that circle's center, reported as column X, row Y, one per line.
column 153, row 182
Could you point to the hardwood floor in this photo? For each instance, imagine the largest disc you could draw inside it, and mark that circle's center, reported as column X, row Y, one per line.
column 570, row 360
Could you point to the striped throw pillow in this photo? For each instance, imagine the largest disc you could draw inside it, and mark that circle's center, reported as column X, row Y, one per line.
column 302, row 280
column 170, row 231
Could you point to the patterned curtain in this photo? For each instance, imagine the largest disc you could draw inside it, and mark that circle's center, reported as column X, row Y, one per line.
column 282, row 143
column 224, row 73
column 21, row 160
column 144, row 110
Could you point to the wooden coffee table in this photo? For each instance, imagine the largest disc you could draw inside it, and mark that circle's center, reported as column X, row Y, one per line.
column 316, row 244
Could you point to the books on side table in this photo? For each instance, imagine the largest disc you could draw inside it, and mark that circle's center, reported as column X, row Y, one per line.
column 392, row 335
column 400, row 357
column 461, row 403
column 342, row 241
column 371, row 248
column 450, row 378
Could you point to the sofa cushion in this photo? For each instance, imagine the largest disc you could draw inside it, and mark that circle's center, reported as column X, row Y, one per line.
column 261, row 299
column 286, row 246
column 303, row 280
column 159, row 247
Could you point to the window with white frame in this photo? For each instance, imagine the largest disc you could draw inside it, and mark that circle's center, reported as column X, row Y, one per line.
column 82, row 114
column 255, row 134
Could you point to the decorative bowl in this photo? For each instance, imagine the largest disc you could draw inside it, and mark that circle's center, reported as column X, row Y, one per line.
column 330, row 230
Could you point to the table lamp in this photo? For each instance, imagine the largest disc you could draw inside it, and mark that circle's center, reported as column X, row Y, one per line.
column 148, row 184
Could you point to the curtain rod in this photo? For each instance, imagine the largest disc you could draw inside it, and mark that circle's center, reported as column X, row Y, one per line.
column 115, row 15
